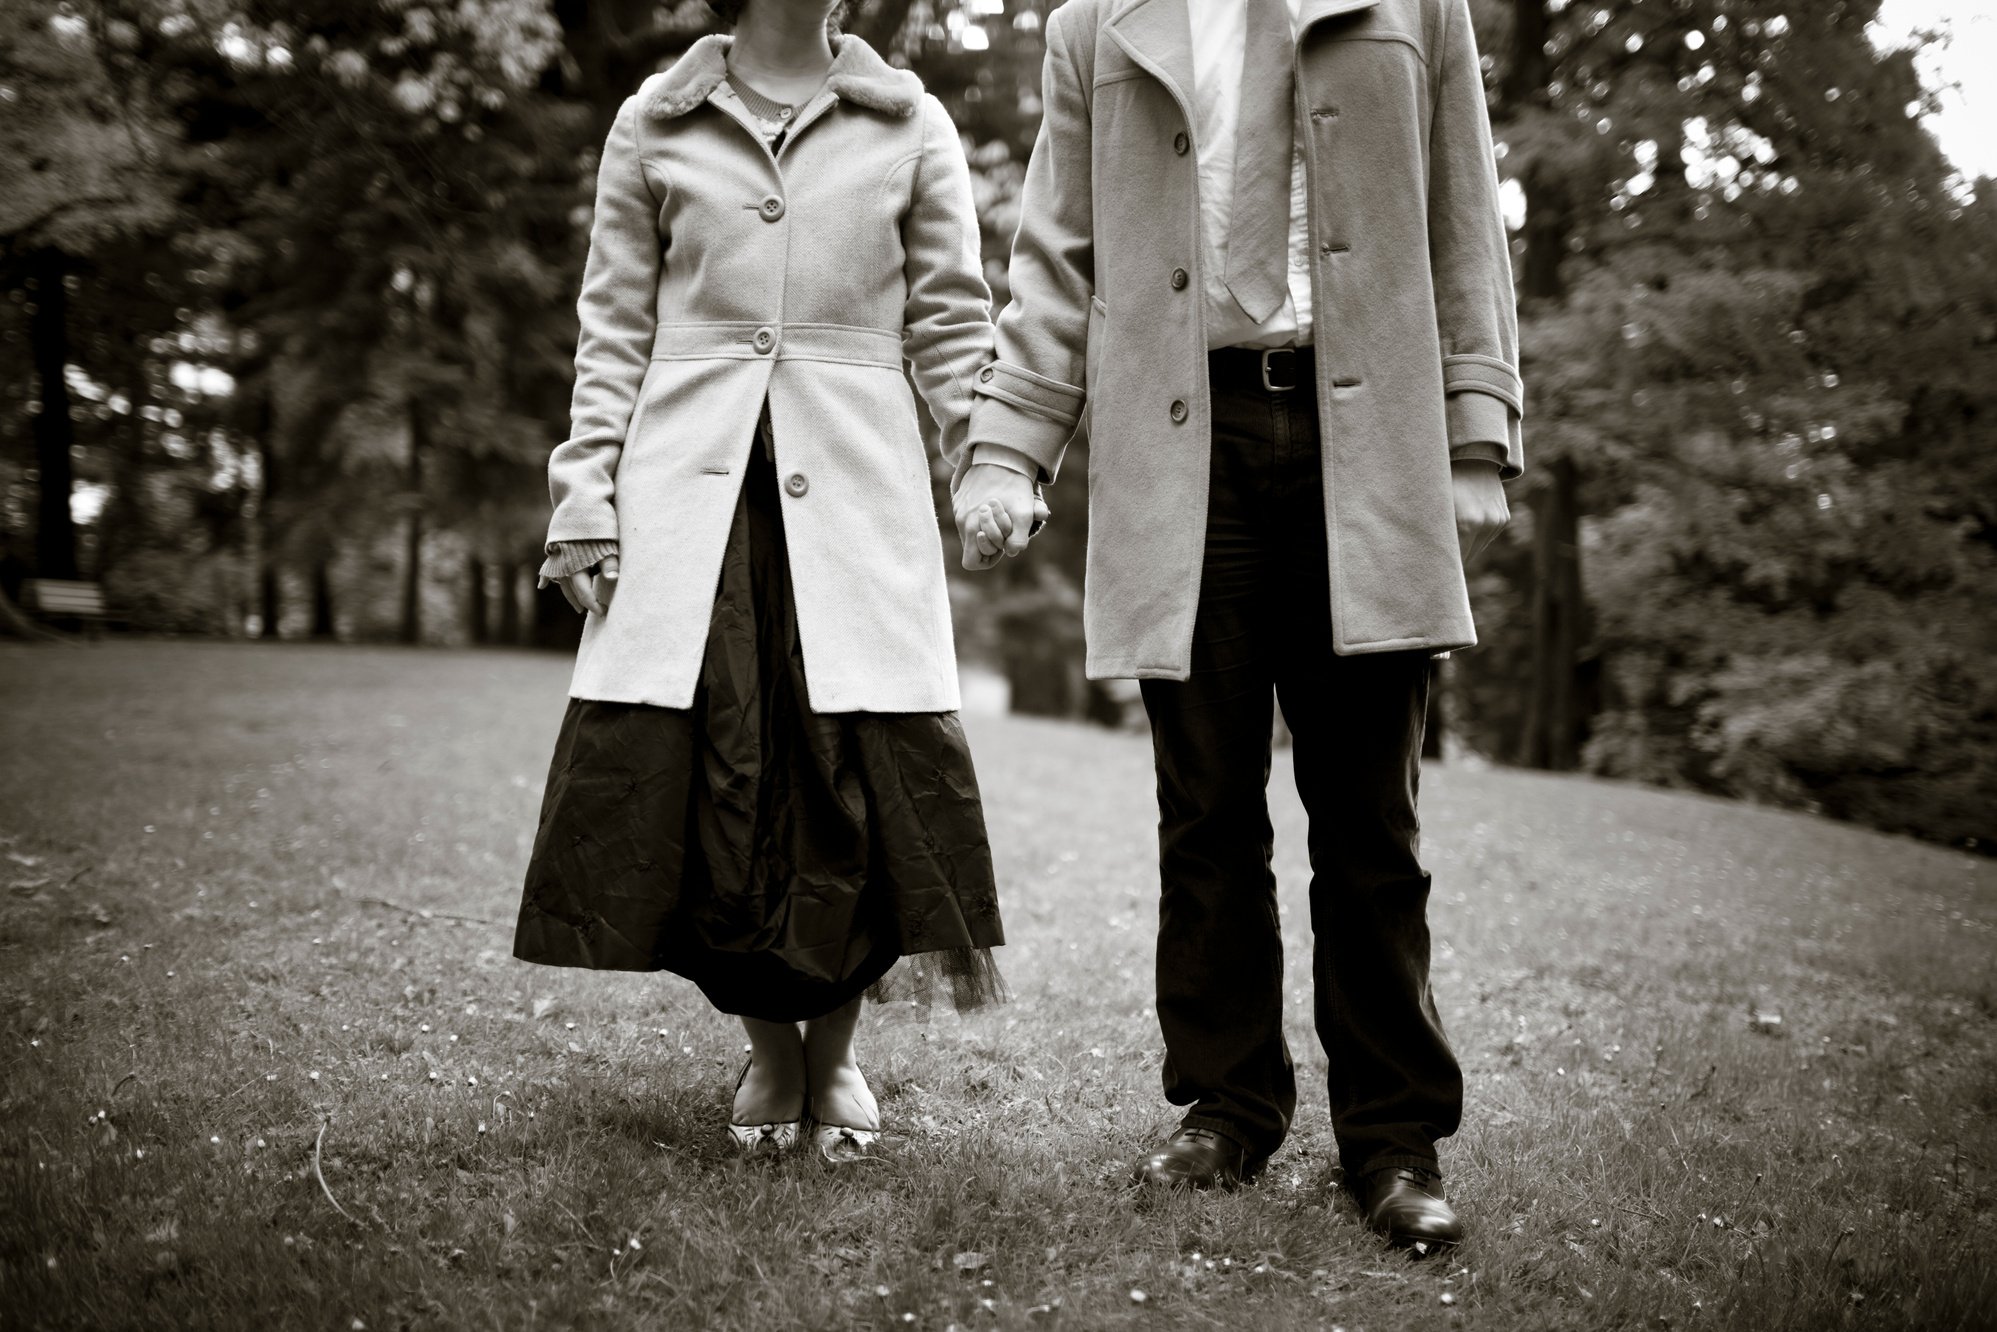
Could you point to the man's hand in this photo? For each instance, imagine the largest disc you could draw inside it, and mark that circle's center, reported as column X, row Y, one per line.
column 995, row 513
column 1481, row 511
column 588, row 592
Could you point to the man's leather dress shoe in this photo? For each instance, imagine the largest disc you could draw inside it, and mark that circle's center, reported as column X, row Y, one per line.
column 1407, row 1207
column 1197, row 1158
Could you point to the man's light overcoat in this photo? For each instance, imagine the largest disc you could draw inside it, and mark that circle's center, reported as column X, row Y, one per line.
column 1414, row 320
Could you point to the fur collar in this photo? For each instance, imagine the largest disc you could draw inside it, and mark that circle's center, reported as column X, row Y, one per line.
column 859, row 75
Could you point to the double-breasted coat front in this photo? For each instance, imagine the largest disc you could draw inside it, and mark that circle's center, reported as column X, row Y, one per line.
column 723, row 275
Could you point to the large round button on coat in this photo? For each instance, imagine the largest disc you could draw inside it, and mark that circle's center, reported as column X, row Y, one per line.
column 1178, row 409
column 1180, row 143
column 773, row 208
column 1179, row 279
column 796, row 484
column 765, row 339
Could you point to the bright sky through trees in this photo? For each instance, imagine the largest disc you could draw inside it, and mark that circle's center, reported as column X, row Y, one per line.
column 1966, row 125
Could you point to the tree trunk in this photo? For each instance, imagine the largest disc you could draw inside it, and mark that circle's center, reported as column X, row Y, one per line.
column 1547, row 226
column 270, row 599
column 509, row 605
column 412, row 562
column 1553, row 710
column 55, row 429
column 481, row 633
column 323, row 627
column 262, row 423
column 122, row 528
column 1525, row 73
column 1546, row 206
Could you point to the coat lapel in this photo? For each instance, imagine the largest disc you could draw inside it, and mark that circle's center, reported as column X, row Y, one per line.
column 1316, row 11
column 1157, row 35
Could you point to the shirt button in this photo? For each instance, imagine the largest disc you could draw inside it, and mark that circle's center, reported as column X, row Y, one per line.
column 765, row 339
column 1178, row 409
column 1179, row 279
column 783, row 113
column 796, row 484
column 1181, row 144
column 773, row 208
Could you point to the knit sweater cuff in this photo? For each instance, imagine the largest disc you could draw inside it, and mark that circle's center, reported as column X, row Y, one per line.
column 567, row 558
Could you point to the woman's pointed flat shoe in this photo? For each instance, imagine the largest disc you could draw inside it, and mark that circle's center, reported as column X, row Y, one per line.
column 763, row 1139
column 839, row 1144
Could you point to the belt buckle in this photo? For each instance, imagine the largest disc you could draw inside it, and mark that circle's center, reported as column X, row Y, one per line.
column 1267, row 354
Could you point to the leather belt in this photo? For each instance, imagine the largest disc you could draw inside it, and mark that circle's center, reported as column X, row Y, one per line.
column 1270, row 369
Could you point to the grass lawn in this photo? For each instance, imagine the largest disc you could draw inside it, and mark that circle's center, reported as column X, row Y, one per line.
column 1728, row 1068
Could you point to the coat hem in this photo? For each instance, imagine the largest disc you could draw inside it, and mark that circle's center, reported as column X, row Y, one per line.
column 823, row 701
column 1133, row 670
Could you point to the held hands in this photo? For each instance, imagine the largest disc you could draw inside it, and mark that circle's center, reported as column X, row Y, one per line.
column 996, row 511
column 1481, row 511
column 588, row 592
column 986, row 506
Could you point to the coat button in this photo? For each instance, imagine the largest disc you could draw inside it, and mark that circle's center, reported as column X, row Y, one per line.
column 773, row 208
column 796, row 484
column 1178, row 279
column 1181, row 144
column 765, row 339
column 985, row 375
column 1178, row 409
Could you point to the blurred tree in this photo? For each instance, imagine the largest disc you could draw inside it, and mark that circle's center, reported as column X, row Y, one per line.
column 388, row 181
column 1761, row 360
column 81, row 172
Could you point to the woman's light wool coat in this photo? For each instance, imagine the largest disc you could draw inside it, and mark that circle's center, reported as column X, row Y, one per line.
column 1414, row 323
column 719, row 275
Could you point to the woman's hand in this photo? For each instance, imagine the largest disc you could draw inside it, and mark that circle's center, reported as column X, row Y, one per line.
column 987, row 503
column 989, row 507
column 988, row 534
column 591, row 592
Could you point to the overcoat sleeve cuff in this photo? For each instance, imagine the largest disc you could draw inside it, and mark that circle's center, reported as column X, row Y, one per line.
column 1485, row 428
column 1478, row 451
column 1004, row 455
column 583, row 518
column 1484, row 374
column 1027, row 412
column 568, row 558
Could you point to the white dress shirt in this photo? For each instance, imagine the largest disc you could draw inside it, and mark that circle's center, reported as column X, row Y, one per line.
column 1220, row 33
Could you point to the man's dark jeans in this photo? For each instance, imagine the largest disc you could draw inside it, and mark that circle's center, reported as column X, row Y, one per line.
column 1263, row 628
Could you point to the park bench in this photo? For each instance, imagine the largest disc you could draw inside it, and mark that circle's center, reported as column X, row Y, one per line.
column 65, row 599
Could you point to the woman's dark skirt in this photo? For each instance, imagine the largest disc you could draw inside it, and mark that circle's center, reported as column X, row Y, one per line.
column 782, row 860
